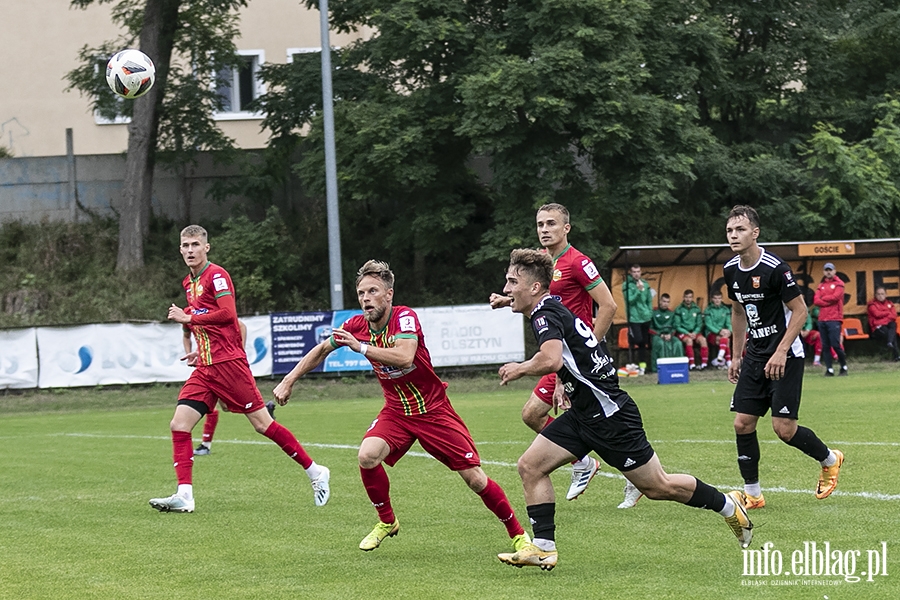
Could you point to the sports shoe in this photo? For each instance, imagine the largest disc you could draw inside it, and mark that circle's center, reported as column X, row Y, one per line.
column 632, row 495
column 530, row 556
column 381, row 531
column 843, row 372
column 173, row 503
column 829, row 372
column 740, row 523
column 828, row 478
column 201, row 450
column 321, row 489
column 270, row 406
column 752, row 502
column 520, row 542
column 581, row 478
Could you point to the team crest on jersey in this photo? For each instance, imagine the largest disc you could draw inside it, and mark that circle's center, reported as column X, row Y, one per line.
column 589, row 269
column 557, row 274
column 789, row 278
column 540, row 324
column 194, row 290
column 756, row 281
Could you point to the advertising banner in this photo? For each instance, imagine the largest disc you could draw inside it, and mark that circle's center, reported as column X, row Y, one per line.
column 111, row 354
column 473, row 334
column 295, row 334
column 259, row 344
column 345, row 359
column 18, row 358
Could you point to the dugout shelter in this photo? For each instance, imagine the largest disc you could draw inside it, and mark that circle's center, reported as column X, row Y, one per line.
column 672, row 269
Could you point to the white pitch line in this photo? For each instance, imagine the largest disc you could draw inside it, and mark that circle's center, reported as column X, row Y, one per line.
column 494, row 463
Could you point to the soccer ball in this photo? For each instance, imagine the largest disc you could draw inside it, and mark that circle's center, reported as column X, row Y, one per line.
column 130, row 73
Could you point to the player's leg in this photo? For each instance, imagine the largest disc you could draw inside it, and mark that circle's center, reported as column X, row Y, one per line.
column 495, row 500
column 750, row 401
column 536, row 412
column 535, row 465
column 831, row 340
column 209, row 431
column 187, row 414
column 688, row 342
column 371, row 455
column 786, row 394
column 319, row 475
column 704, row 350
column 656, row 484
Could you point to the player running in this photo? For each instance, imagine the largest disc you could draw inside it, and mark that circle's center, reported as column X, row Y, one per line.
column 416, row 405
column 222, row 373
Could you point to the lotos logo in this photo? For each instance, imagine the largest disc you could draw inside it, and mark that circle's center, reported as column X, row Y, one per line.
column 77, row 362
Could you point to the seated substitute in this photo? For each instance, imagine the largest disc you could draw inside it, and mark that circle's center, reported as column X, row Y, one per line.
column 882, row 315
column 717, row 326
column 689, row 329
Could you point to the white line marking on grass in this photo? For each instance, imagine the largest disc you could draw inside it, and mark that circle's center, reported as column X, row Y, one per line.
column 496, row 463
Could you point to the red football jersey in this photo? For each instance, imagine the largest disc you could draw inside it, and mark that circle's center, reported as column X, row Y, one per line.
column 214, row 323
column 415, row 390
column 574, row 274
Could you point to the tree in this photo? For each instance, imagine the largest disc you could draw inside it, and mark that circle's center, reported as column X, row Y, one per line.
column 175, row 116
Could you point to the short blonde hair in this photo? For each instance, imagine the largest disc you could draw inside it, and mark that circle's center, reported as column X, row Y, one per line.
column 379, row 269
column 194, row 231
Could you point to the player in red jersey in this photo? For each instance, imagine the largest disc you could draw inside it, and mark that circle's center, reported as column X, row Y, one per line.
column 221, row 374
column 416, row 405
column 578, row 285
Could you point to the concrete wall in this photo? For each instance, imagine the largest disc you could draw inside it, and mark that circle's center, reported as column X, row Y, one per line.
column 37, row 189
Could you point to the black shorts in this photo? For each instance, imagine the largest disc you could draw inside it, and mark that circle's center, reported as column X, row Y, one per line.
column 619, row 440
column 755, row 394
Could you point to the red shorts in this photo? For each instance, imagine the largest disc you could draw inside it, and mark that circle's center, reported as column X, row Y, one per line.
column 441, row 433
column 229, row 382
column 544, row 388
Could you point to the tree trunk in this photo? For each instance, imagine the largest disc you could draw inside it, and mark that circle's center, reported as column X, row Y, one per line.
column 157, row 40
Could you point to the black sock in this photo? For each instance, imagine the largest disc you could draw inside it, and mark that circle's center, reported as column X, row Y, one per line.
column 708, row 497
column 809, row 444
column 748, row 456
column 541, row 516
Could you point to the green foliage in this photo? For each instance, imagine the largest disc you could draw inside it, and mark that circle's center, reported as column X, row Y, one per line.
column 5, row 152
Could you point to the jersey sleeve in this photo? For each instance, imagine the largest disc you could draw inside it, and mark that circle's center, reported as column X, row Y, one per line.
column 407, row 324
column 224, row 314
column 789, row 287
column 729, row 281
column 546, row 327
column 355, row 326
column 586, row 274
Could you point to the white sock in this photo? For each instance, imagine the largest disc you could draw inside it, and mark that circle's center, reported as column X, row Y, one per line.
column 752, row 489
column 545, row 545
column 582, row 465
column 313, row 471
column 721, row 355
column 186, row 491
column 729, row 508
column 206, row 444
column 830, row 461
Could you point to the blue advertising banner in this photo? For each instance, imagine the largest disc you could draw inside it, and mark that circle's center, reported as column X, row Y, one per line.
column 345, row 359
column 295, row 334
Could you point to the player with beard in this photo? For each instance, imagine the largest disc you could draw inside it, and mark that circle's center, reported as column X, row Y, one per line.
column 416, row 404
column 602, row 418
column 769, row 306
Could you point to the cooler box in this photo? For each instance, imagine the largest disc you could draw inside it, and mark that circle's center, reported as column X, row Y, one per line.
column 673, row 370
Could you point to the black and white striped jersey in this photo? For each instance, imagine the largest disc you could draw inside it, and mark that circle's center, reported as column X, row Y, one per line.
column 588, row 372
column 764, row 290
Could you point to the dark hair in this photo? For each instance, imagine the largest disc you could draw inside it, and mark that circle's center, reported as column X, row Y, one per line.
column 379, row 269
column 686, row 292
column 713, row 293
column 742, row 210
column 558, row 208
column 880, row 287
column 633, row 265
column 665, row 297
column 534, row 264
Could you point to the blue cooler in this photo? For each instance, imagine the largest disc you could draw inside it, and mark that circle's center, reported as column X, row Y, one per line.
column 673, row 370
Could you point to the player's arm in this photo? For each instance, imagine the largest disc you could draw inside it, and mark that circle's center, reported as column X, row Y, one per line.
column 548, row 359
column 224, row 313
column 499, row 301
column 738, row 340
column 310, row 361
column 400, row 356
column 606, row 309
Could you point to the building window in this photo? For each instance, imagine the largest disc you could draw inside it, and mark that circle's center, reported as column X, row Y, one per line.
column 238, row 87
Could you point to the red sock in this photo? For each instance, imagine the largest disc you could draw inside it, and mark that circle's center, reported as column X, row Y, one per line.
column 282, row 436
column 378, row 488
column 183, row 455
column 689, row 352
column 724, row 347
column 704, row 354
column 209, row 426
column 493, row 497
column 549, row 420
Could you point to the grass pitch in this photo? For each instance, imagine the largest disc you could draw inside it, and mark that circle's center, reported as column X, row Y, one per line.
column 79, row 466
